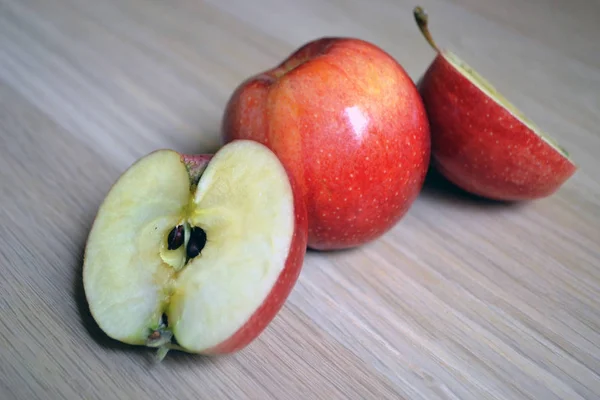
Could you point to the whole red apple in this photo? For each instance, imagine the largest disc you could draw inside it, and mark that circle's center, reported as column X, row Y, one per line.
column 348, row 122
column 480, row 141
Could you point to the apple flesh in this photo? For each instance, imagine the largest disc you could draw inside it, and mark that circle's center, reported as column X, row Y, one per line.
column 480, row 141
column 196, row 253
column 349, row 124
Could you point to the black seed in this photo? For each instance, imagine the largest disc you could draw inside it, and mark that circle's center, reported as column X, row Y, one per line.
column 196, row 243
column 192, row 250
column 175, row 238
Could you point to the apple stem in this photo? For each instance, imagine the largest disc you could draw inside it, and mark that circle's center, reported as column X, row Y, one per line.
column 422, row 19
column 159, row 338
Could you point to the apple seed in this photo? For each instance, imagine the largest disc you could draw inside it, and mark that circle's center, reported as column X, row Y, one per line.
column 196, row 243
column 175, row 238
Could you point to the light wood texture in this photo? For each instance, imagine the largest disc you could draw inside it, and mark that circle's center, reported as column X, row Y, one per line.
column 463, row 299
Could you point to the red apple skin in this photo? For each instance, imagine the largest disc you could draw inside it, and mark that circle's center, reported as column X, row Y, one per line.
column 275, row 300
column 349, row 123
column 480, row 146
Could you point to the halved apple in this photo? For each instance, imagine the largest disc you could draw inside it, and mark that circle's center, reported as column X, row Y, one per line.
column 196, row 253
column 479, row 140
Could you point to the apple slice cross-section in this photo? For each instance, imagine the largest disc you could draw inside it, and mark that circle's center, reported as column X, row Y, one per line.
column 196, row 253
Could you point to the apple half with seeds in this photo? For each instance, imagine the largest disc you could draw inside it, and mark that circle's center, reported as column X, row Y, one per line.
column 195, row 253
column 479, row 140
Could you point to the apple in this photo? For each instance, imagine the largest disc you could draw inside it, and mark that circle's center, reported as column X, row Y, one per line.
column 196, row 253
column 479, row 140
column 350, row 126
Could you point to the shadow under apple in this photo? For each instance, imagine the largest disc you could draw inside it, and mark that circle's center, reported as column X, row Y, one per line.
column 438, row 188
column 334, row 252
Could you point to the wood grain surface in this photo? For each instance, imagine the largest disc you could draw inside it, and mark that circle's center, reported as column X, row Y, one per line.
column 463, row 299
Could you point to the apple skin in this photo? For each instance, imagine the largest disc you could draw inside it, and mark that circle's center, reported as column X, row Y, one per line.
column 268, row 310
column 348, row 122
column 480, row 146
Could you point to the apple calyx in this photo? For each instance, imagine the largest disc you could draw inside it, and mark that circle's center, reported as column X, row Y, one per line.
column 161, row 339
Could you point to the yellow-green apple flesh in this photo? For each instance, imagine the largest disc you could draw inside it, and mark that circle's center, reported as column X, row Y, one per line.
column 479, row 140
column 196, row 253
column 348, row 122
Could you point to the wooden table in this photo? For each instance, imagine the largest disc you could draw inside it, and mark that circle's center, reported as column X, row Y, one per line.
column 463, row 299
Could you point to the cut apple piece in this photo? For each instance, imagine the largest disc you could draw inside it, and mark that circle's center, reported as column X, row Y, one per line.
column 196, row 253
column 479, row 140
